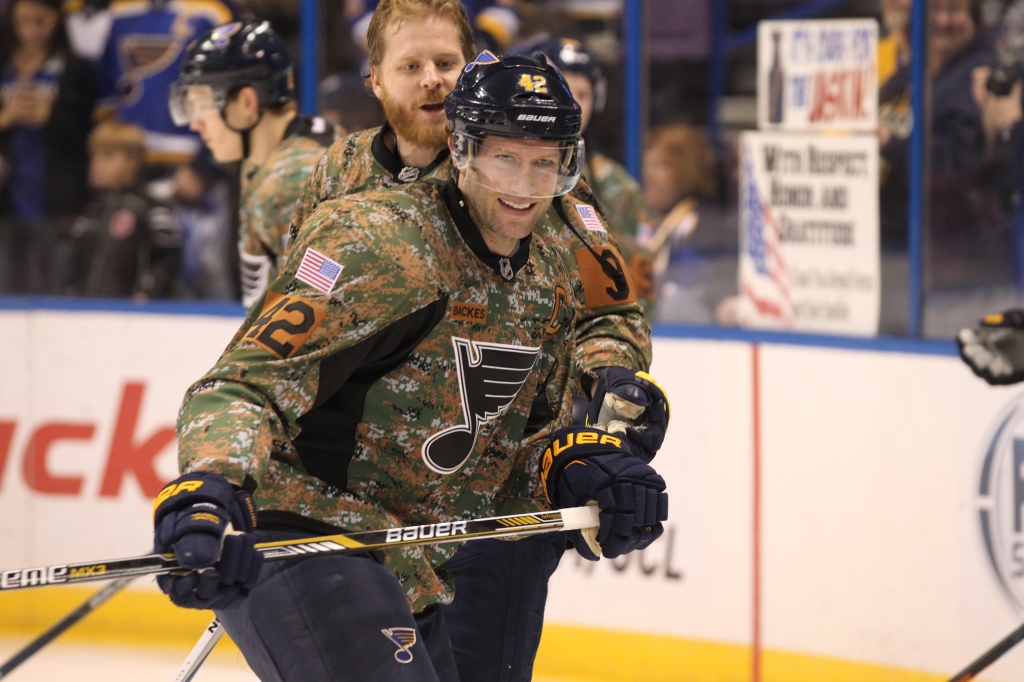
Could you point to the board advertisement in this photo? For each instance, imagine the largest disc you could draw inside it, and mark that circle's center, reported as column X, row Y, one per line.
column 809, row 227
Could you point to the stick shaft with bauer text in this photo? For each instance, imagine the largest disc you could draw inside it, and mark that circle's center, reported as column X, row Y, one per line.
column 573, row 518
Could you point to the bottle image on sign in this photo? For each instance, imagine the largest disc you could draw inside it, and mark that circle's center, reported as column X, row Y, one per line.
column 776, row 80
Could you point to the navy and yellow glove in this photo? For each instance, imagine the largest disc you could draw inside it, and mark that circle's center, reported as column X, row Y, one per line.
column 994, row 350
column 632, row 403
column 207, row 523
column 585, row 464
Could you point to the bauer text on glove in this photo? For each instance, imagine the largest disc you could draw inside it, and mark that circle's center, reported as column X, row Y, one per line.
column 207, row 523
column 585, row 464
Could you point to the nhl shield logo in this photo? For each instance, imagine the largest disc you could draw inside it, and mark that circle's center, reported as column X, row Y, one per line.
column 1000, row 497
column 490, row 377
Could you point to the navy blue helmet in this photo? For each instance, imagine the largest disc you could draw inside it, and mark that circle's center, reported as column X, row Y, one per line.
column 516, row 97
column 228, row 57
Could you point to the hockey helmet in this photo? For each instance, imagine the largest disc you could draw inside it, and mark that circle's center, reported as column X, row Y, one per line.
column 227, row 58
column 516, row 97
column 571, row 57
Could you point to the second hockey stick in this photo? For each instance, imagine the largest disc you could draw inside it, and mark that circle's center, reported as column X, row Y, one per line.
column 990, row 656
column 200, row 652
column 57, row 629
column 573, row 518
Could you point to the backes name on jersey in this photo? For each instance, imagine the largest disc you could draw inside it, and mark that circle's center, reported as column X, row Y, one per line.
column 433, row 530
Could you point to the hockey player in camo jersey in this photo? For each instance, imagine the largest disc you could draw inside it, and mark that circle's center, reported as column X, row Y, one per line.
column 412, row 364
column 417, row 49
column 237, row 90
column 411, row 146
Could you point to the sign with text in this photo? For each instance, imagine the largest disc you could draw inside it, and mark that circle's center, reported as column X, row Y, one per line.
column 817, row 74
column 809, row 233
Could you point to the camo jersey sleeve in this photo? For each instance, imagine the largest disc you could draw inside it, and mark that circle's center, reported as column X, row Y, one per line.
column 611, row 330
column 343, row 169
column 622, row 201
column 620, row 195
column 268, row 199
column 249, row 404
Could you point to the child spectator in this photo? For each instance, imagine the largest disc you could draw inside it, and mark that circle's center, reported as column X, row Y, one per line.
column 123, row 245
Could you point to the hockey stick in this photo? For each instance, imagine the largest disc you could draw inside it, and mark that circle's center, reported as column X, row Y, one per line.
column 200, row 652
column 57, row 629
column 989, row 657
column 527, row 525
column 573, row 518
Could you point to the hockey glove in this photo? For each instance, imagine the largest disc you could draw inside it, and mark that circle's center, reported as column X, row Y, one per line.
column 995, row 349
column 584, row 464
column 207, row 524
column 633, row 404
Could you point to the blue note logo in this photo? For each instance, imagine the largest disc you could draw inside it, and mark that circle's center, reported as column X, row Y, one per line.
column 490, row 376
column 404, row 639
column 1001, row 501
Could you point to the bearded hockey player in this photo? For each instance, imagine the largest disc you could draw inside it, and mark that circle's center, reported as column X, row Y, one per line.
column 495, row 623
column 237, row 91
column 413, row 363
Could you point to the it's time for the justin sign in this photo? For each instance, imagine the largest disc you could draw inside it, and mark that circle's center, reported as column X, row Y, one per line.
column 817, row 75
column 809, row 233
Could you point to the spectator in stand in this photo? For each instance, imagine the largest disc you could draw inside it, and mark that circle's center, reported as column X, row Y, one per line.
column 46, row 101
column 122, row 245
column 957, row 45
column 894, row 47
column 693, row 245
column 1001, row 119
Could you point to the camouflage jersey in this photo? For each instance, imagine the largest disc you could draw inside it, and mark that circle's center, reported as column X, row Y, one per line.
column 611, row 330
column 623, row 202
column 268, row 194
column 422, row 387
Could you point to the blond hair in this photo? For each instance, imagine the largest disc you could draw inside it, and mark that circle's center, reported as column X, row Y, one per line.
column 114, row 134
column 390, row 12
column 689, row 155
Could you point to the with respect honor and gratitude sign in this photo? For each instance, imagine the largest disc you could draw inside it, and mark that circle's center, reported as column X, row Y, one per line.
column 817, row 75
column 809, row 250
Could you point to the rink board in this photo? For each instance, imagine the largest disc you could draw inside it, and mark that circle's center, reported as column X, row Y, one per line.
column 845, row 542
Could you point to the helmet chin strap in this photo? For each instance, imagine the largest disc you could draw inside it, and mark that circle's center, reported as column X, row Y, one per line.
column 243, row 132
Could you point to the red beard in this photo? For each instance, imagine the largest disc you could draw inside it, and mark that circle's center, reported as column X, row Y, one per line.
column 403, row 120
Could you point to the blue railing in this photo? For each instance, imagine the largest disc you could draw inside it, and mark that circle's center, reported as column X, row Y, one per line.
column 678, row 331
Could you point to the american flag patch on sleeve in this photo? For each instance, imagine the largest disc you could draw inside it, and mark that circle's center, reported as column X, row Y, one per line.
column 590, row 217
column 318, row 271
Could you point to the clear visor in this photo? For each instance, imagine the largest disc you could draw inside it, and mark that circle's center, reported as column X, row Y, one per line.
column 189, row 102
column 532, row 169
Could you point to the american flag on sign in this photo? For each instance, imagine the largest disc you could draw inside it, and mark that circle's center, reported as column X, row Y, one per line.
column 318, row 271
column 590, row 218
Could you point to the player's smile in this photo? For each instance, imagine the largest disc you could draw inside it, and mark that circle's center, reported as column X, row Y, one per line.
column 516, row 208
